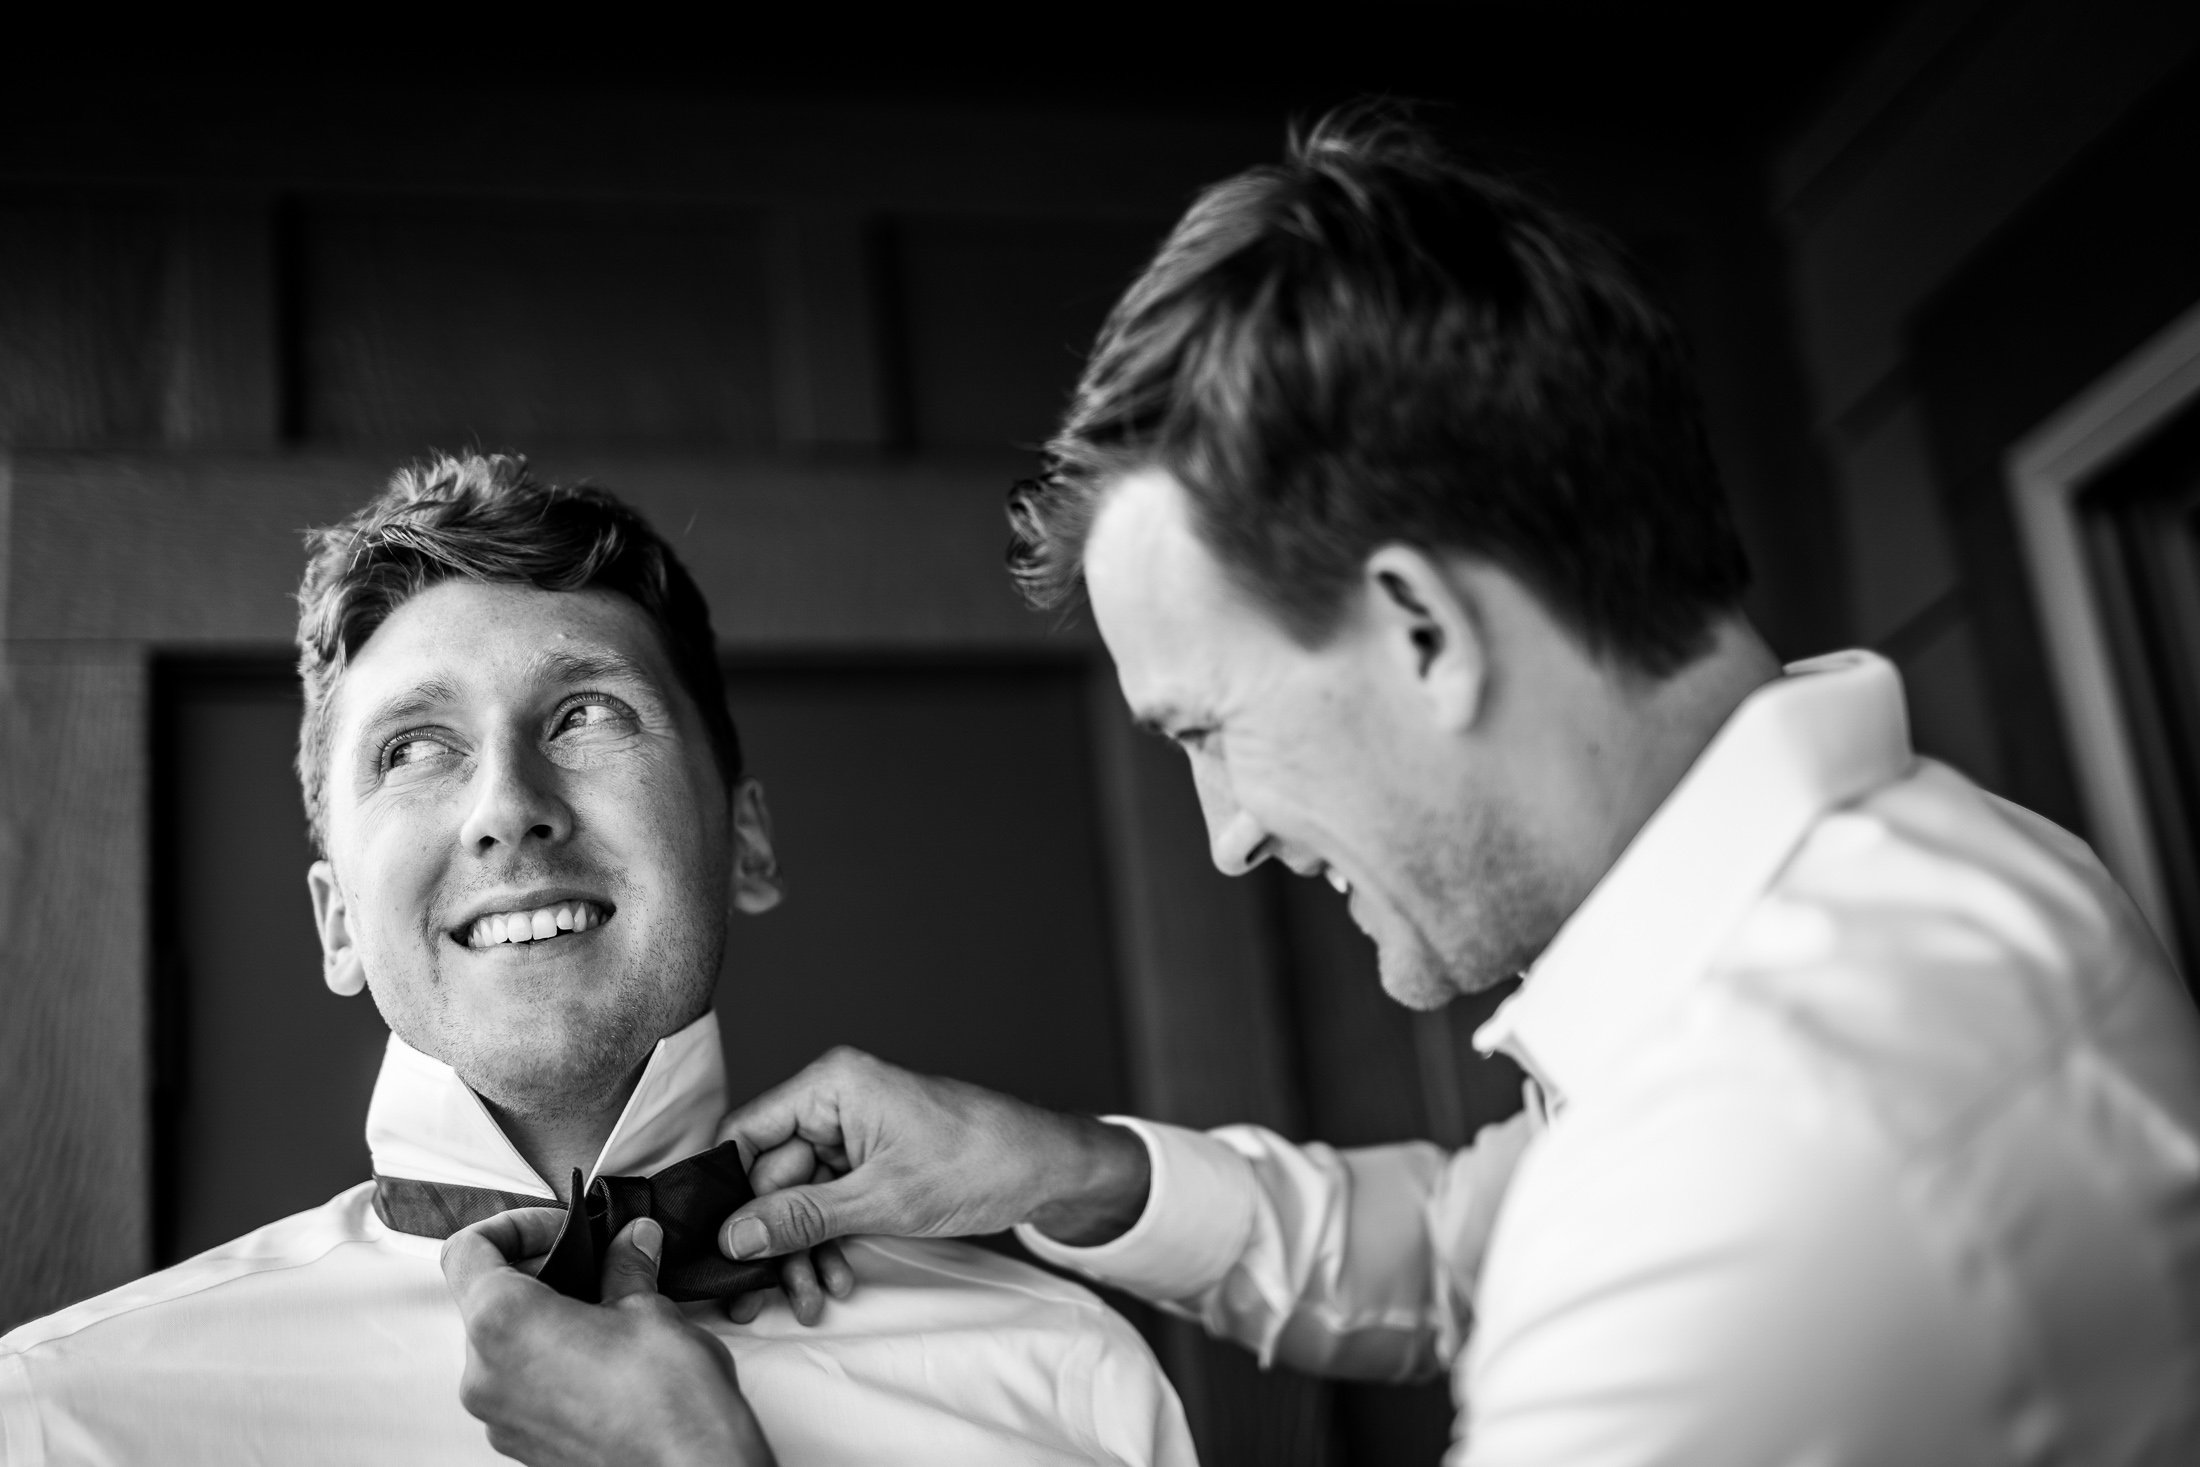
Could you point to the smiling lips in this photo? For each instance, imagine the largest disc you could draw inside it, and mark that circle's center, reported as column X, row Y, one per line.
column 541, row 924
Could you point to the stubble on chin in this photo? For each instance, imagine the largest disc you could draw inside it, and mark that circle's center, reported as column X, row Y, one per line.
column 1411, row 975
column 1494, row 916
column 551, row 1056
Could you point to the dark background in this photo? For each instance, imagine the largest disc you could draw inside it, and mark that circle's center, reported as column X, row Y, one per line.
column 809, row 295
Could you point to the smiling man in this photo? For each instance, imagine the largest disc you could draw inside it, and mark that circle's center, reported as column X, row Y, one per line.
column 1863, row 1122
column 534, row 823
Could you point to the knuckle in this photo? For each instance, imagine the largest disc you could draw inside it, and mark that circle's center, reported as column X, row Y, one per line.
column 647, row 1306
column 801, row 1217
column 475, row 1391
column 846, row 1059
column 496, row 1327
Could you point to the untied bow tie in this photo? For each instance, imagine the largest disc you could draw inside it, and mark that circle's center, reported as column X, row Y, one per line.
column 688, row 1199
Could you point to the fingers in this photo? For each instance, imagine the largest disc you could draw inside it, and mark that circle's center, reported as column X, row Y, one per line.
column 787, row 1165
column 833, row 1270
column 795, row 1218
column 743, row 1308
column 798, row 1276
column 808, row 1106
column 630, row 1263
column 777, row 1116
column 476, row 1253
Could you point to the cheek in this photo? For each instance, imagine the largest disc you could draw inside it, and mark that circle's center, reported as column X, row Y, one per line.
column 390, row 880
column 663, row 824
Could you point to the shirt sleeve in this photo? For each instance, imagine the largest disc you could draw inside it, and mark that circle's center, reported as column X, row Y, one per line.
column 1357, row 1263
column 22, row 1437
column 1710, row 1277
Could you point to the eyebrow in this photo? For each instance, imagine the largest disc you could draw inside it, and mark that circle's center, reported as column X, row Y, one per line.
column 566, row 668
column 415, row 700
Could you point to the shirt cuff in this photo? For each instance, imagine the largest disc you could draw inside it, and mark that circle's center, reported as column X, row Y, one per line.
column 1199, row 1212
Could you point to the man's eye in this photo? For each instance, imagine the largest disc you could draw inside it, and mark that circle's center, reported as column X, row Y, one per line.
column 589, row 715
column 413, row 751
column 1192, row 739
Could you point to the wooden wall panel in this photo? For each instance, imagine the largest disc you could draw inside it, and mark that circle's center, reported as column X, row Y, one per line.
column 1939, row 141
column 1887, row 200
column 206, row 550
column 73, row 1039
column 998, row 314
column 2099, row 261
column 473, row 142
column 223, row 385
column 261, row 1075
column 935, row 824
column 836, row 377
column 83, row 297
column 457, row 322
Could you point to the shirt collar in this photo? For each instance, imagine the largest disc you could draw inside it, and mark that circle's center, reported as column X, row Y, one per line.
column 1830, row 730
column 424, row 1122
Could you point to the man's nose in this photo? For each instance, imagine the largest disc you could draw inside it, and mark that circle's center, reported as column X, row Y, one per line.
column 516, row 799
column 1235, row 839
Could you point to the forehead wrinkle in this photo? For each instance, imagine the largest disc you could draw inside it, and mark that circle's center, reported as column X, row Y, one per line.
column 555, row 664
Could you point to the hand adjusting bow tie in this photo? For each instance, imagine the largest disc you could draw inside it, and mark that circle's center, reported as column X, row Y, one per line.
column 689, row 1199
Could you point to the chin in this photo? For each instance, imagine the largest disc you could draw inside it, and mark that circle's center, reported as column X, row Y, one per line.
column 1419, row 977
column 546, row 1053
column 545, row 1067
column 1412, row 976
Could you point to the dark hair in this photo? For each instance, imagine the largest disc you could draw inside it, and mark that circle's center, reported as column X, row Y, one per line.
column 1370, row 343
column 485, row 518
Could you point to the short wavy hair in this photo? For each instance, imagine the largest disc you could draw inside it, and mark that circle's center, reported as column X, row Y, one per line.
column 1369, row 343
column 483, row 517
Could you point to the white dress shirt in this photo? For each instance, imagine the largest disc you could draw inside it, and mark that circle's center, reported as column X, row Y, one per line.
column 327, row 1338
column 1864, row 1128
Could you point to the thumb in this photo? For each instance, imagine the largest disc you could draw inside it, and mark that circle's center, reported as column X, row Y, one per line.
column 802, row 1217
column 630, row 1263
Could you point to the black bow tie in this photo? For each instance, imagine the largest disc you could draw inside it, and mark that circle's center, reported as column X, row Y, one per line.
column 689, row 1199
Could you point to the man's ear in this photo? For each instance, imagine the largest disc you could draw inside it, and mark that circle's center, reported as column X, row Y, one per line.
column 341, row 967
column 756, row 883
column 1428, row 622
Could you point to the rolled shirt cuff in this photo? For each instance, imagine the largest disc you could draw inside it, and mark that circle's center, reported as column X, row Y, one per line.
column 1200, row 1206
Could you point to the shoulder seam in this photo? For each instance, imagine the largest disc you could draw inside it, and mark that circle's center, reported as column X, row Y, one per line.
column 247, row 1268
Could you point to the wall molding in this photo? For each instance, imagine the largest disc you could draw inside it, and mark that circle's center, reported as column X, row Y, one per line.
column 2047, row 472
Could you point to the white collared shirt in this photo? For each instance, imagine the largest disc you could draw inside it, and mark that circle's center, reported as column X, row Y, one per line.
column 327, row 1338
column 1864, row 1129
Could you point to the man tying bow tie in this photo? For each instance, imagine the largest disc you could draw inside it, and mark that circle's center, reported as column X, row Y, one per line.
column 1863, row 1111
column 528, row 793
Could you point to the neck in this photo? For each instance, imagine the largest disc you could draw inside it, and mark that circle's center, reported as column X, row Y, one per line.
column 1664, row 725
column 556, row 1142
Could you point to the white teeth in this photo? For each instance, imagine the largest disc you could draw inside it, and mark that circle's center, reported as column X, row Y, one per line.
column 1336, row 879
column 538, row 925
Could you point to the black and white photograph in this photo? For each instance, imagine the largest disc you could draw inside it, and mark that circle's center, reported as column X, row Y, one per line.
column 1151, row 736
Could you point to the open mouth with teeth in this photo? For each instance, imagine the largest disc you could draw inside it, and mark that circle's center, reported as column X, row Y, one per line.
column 538, row 924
